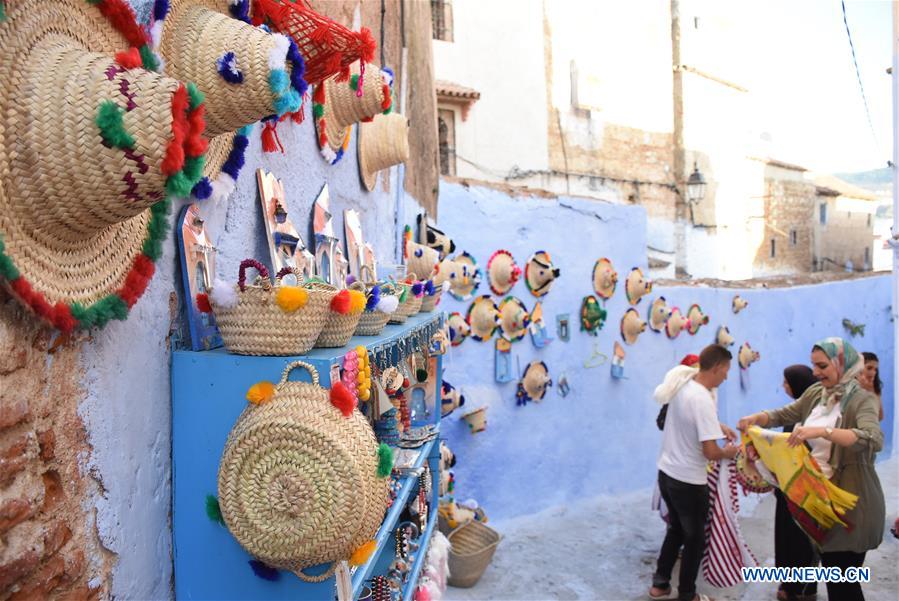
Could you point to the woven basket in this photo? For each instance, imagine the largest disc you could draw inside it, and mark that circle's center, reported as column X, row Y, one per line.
column 339, row 328
column 257, row 325
column 472, row 551
column 408, row 308
column 429, row 303
column 372, row 323
column 297, row 482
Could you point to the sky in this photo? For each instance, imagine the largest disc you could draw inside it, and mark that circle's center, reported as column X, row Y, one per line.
column 804, row 83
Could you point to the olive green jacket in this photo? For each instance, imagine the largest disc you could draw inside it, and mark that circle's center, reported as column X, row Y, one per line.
column 853, row 467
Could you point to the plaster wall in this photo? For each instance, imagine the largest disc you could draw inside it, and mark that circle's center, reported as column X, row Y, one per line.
column 602, row 437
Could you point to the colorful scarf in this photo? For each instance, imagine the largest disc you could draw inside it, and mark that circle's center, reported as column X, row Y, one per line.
column 848, row 364
column 726, row 552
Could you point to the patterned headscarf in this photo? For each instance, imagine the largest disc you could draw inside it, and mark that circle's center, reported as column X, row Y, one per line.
column 848, row 364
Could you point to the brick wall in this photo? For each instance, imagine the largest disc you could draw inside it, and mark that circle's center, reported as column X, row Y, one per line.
column 789, row 214
column 48, row 543
column 844, row 238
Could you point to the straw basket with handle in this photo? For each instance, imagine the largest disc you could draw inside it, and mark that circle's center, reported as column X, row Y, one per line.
column 302, row 480
column 346, row 308
column 431, row 297
column 472, row 551
column 412, row 303
column 262, row 319
column 382, row 301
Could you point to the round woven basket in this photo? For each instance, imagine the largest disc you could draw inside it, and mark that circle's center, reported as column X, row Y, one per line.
column 372, row 323
column 297, row 481
column 408, row 308
column 339, row 328
column 257, row 325
column 429, row 303
column 472, row 551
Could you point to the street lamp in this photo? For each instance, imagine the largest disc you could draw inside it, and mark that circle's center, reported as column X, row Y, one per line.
column 695, row 186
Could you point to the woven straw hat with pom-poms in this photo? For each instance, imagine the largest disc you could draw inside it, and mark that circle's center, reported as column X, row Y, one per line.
column 302, row 480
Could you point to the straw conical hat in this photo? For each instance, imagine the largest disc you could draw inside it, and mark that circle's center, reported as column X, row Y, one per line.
column 605, row 278
column 534, row 382
column 632, row 326
column 88, row 160
column 747, row 356
column 723, row 337
column 540, row 273
column 697, row 319
column 502, row 272
column 383, row 143
column 658, row 314
column 636, row 286
column 459, row 329
column 483, row 318
column 676, row 323
column 514, row 319
column 462, row 273
column 420, row 259
column 739, row 304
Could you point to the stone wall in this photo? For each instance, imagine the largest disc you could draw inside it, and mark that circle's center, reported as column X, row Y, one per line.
column 848, row 232
column 789, row 214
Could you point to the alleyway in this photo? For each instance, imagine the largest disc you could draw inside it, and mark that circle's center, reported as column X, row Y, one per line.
column 605, row 548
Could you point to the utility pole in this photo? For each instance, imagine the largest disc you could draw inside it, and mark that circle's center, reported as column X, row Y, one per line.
column 894, row 242
column 677, row 88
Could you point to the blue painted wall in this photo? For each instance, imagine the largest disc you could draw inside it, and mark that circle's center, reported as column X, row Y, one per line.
column 602, row 437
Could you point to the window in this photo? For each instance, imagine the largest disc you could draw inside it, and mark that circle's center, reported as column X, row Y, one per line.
column 773, row 249
column 794, row 237
column 822, row 213
column 867, row 257
column 442, row 20
column 446, row 139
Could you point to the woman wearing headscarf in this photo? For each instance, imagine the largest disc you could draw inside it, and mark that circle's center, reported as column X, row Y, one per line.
column 838, row 419
column 792, row 548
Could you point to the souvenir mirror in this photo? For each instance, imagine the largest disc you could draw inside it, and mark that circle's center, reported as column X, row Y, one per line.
column 326, row 244
column 286, row 247
column 355, row 244
column 197, row 271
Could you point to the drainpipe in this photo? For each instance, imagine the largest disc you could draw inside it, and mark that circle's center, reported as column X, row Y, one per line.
column 895, row 230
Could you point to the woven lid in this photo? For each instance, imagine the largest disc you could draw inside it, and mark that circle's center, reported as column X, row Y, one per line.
column 482, row 318
column 463, row 274
column 723, row 337
column 88, row 159
column 298, row 481
column 697, row 319
column 675, row 323
column 658, row 314
column 534, row 382
column 514, row 319
column 605, row 278
column 502, row 272
column 636, row 286
column 540, row 273
column 747, row 356
column 383, row 142
column 458, row 328
column 632, row 326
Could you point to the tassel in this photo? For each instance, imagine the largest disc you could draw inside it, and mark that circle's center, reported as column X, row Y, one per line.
column 388, row 304
column 129, row 59
column 291, row 298
column 265, row 572
column 357, row 301
column 223, row 295
column 203, row 305
column 213, row 510
column 261, row 392
column 343, row 399
column 270, row 140
column 341, row 302
column 385, row 460
column 374, row 297
column 361, row 555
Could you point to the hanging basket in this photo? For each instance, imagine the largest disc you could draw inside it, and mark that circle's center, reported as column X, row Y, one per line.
column 298, row 481
column 471, row 552
column 268, row 319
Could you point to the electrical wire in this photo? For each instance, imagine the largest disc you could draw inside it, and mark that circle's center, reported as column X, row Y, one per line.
column 859, row 75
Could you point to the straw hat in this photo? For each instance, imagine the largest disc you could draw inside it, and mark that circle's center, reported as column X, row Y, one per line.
column 514, row 319
column 502, row 272
column 676, row 323
column 739, row 304
column 431, row 236
column 476, row 420
column 723, row 337
column 636, row 286
column 697, row 319
column 747, row 356
column 605, row 278
column 533, row 383
column 462, row 273
column 482, row 318
column 383, row 143
column 632, row 326
column 658, row 314
column 420, row 259
column 87, row 160
column 540, row 273
column 459, row 329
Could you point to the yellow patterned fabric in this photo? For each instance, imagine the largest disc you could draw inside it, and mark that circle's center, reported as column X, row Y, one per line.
column 801, row 480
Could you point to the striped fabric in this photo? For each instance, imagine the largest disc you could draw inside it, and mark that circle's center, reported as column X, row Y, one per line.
column 725, row 551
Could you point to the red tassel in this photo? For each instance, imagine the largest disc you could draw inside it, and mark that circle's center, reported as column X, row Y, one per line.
column 23, row 289
column 367, row 51
column 62, row 318
column 129, row 59
column 203, row 303
column 318, row 94
column 322, row 134
column 270, row 140
column 123, row 20
column 341, row 302
column 298, row 116
column 342, row 399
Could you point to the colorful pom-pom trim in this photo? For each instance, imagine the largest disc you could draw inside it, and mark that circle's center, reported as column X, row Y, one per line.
column 213, row 510
column 122, row 19
column 261, row 392
column 361, row 555
column 343, row 399
column 291, row 298
column 228, row 69
column 385, row 460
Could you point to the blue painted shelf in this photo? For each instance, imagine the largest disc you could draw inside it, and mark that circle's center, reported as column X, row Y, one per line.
column 208, row 389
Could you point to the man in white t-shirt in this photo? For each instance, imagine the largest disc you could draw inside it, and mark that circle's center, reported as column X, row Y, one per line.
column 689, row 441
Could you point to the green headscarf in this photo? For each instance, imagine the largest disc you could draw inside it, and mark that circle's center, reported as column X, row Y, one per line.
column 848, row 364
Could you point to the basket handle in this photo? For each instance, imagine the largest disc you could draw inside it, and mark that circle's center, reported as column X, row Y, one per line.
column 287, row 270
column 320, row 578
column 242, row 274
column 363, row 269
column 357, row 285
column 293, row 365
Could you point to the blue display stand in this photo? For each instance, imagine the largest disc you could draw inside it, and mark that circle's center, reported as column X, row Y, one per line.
column 208, row 394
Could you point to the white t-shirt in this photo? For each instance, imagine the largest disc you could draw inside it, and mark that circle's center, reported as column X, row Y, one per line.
column 692, row 418
column 820, row 417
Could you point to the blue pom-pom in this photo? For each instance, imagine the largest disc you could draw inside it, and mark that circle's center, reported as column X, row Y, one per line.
column 290, row 102
column 429, row 288
column 241, row 10
column 374, row 298
column 160, row 9
column 416, row 289
column 278, row 81
column 235, row 160
column 203, row 189
column 227, row 68
column 389, row 71
column 298, row 68
column 263, row 571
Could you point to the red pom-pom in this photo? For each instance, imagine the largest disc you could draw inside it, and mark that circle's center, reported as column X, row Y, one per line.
column 144, row 265
column 196, row 143
column 203, row 303
column 406, row 383
column 298, row 116
column 62, row 318
column 341, row 302
column 318, row 94
column 129, row 59
column 174, row 154
column 322, row 135
column 342, row 399
column 23, row 289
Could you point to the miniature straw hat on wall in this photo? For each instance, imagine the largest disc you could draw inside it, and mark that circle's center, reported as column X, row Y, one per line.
column 723, row 337
column 534, row 383
column 697, row 319
column 540, row 273
column 632, row 326
column 605, row 278
column 676, row 323
column 637, row 286
column 383, row 143
column 462, row 273
column 459, row 329
column 658, row 314
column 747, row 356
column 483, row 318
column 514, row 319
column 502, row 272
column 88, row 159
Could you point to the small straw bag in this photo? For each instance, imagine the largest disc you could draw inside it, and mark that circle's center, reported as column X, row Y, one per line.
column 345, row 311
column 471, row 552
column 431, row 298
column 411, row 305
column 261, row 319
column 302, row 479
column 373, row 321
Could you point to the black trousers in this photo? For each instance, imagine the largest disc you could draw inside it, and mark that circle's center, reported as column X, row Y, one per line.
column 792, row 549
column 848, row 591
column 688, row 510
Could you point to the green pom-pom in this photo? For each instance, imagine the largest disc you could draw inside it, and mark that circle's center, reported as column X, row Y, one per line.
column 404, row 294
column 196, row 96
column 385, row 460
column 2, row 12
column 193, row 168
column 7, row 268
column 179, row 185
column 107, row 308
column 318, row 110
column 110, row 120
column 354, row 82
column 85, row 318
column 149, row 60
column 213, row 510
